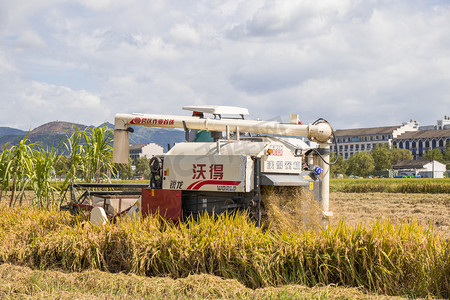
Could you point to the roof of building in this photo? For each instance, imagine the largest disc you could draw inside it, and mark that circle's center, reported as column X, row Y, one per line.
column 423, row 134
column 140, row 146
column 411, row 164
column 366, row 131
column 137, row 146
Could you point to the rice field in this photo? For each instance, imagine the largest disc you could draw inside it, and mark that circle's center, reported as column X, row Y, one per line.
column 392, row 185
column 224, row 257
column 426, row 209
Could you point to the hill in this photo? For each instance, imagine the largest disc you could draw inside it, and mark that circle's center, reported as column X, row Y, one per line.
column 160, row 136
column 52, row 133
column 11, row 131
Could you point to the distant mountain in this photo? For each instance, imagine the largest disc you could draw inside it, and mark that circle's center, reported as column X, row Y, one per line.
column 52, row 133
column 46, row 136
column 11, row 131
column 160, row 136
column 57, row 128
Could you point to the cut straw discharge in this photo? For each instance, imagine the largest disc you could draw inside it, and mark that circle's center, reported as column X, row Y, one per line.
column 394, row 259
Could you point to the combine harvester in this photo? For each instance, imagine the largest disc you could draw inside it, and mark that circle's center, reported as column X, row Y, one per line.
column 223, row 174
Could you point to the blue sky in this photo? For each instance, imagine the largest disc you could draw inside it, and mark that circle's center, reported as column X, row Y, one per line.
column 356, row 63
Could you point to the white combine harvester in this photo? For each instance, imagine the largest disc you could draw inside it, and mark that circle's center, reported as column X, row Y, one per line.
column 223, row 174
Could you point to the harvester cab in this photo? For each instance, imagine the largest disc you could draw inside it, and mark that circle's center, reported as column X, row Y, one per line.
column 229, row 170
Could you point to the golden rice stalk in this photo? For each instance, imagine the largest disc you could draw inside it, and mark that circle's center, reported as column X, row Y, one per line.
column 289, row 209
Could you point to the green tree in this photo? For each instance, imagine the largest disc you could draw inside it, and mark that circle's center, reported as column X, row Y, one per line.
column 447, row 152
column 123, row 171
column 435, row 154
column 340, row 167
column 398, row 155
column 360, row 164
column 382, row 157
column 142, row 167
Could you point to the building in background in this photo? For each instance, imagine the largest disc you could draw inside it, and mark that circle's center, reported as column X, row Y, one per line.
column 145, row 150
column 350, row 141
column 419, row 142
column 440, row 125
column 420, row 168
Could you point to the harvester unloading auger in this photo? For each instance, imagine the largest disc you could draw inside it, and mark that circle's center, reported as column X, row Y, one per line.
column 225, row 173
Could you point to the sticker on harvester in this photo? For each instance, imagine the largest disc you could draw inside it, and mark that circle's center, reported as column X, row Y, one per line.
column 277, row 150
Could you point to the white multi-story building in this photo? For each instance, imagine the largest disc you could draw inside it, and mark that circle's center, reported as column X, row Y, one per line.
column 350, row 141
column 145, row 150
column 440, row 125
column 419, row 142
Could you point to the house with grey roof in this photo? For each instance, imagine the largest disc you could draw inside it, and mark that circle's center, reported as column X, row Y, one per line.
column 420, row 168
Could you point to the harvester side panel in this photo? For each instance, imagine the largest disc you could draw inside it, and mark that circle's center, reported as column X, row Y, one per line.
column 165, row 202
column 219, row 173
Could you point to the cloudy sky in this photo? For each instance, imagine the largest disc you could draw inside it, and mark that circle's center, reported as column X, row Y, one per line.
column 356, row 63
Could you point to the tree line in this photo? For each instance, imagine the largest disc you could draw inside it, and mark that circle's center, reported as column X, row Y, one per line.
column 380, row 159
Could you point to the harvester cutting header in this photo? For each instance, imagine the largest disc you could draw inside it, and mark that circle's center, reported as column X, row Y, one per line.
column 227, row 165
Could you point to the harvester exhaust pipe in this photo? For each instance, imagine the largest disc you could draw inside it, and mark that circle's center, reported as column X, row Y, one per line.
column 121, row 149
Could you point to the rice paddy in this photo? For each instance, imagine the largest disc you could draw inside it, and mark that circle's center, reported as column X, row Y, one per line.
column 392, row 185
column 380, row 257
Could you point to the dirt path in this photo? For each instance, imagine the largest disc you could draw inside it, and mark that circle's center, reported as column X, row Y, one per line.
column 356, row 208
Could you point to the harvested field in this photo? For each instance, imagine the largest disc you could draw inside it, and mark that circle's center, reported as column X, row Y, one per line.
column 18, row 282
column 427, row 209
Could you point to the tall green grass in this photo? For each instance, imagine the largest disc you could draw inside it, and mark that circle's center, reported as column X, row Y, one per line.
column 391, row 185
column 394, row 259
column 29, row 167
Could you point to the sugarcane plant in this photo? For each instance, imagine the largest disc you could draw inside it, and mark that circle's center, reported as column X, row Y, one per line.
column 5, row 164
column 28, row 166
column 21, row 169
column 97, row 159
column 40, row 180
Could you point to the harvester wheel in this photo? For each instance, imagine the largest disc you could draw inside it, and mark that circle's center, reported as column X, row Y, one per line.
column 156, row 172
column 155, row 164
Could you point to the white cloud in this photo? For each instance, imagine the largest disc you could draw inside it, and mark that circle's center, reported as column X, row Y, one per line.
column 185, row 34
column 36, row 103
column 29, row 39
column 357, row 63
column 6, row 66
column 96, row 4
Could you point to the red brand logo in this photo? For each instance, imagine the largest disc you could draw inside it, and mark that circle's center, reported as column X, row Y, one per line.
column 138, row 121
